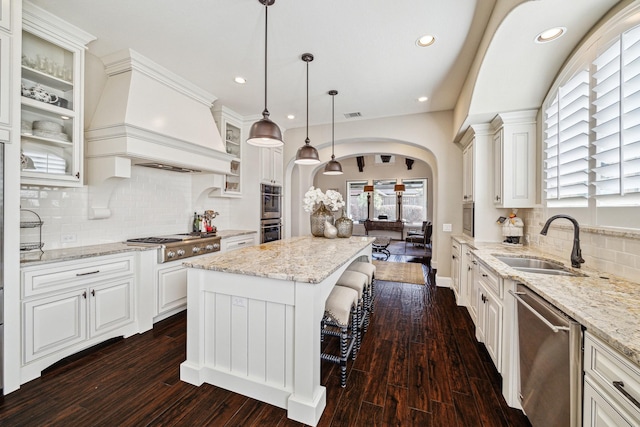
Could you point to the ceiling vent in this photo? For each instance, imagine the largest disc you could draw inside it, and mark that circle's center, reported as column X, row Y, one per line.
column 352, row 115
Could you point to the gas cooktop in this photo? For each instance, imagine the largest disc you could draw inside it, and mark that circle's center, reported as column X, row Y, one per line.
column 182, row 245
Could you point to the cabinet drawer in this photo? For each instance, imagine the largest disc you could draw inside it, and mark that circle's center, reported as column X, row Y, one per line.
column 456, row 249
column 614, row 373
column 490, row 280
column 59, row 276
column 237, row 243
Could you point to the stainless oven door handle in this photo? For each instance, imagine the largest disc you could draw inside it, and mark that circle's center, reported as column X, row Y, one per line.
column 553, row 327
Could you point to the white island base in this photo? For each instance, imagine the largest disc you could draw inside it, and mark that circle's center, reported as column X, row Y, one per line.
column 253, row 319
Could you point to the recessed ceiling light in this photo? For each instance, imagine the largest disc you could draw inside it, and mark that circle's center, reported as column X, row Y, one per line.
column 426, row 40
column 423, row 99
column 240, row 80
column 291, row 117
column 550, row 34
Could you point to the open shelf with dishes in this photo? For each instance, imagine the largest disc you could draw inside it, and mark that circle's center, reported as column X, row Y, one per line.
column 230, row 126
column 51, row 102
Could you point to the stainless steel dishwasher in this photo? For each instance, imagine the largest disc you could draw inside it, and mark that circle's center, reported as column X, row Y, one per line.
column 550, row 348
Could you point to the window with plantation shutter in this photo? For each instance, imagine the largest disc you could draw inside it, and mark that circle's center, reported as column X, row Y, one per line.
column 592, row 130
column 617, row 122
column 567, row 141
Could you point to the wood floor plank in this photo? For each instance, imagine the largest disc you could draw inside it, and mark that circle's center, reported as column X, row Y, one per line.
column 488, row 404
column 439, row 388
column 351, row 400
column 458, row 378
column 418, row 418
column 370, row 415
column 396, row 410
column 418, row 377
column 270, row 416
column 376, row 388
column 443, row 415
column 466, row 410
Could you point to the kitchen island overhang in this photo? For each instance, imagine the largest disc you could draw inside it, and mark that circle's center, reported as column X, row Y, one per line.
column 253, row 319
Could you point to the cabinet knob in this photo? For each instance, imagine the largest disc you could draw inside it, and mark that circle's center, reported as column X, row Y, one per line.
column 484, row 275
column 84, row 295
column 93, row 292
column 78, row 175
column 497, row 198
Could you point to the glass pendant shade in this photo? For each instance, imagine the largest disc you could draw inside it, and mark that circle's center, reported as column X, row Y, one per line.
column 307, row 154
column 333, row 167
column 264, row 132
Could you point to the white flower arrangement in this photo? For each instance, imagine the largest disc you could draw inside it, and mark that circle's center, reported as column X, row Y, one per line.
column 331, row 199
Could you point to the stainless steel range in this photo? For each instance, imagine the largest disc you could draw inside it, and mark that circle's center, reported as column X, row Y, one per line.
column 180, row 246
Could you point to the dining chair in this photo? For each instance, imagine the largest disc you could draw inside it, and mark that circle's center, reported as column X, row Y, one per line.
column 424, row 238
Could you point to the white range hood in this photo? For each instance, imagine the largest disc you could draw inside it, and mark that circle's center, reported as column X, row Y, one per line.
column 149, row 116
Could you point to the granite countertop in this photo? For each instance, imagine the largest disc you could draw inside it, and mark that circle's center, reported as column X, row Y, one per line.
column 607, row 306
column 303, row 259
column 68, row 254
column 78, row 252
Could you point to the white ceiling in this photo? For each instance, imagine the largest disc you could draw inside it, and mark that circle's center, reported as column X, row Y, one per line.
column 364, row 49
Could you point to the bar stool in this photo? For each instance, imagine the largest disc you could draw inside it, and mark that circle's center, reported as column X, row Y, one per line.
column 339, row 319
column 369, row 270
column 358, row 282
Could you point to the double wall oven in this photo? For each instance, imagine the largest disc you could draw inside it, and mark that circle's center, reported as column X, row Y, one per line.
column 270, row 213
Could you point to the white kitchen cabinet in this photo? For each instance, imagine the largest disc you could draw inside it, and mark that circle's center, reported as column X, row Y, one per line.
column 230, row 126
column 5, row 84
column 52, row 128
column 456, row 252
column 468, row 290
column 271, row 164
column 71, row 305
column 611, row 386
column 467, row 173
column 238, row 242
column 489, row 293
column 5, row 14
column 514, row 159
column 170, row 288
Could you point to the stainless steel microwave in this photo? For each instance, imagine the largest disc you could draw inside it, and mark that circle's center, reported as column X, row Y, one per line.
column 468, row 219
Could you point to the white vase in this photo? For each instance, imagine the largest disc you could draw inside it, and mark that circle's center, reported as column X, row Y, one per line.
column 330, row 231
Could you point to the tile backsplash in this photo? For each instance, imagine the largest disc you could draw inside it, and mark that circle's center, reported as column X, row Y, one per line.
column 151, row 203
column 611, row 251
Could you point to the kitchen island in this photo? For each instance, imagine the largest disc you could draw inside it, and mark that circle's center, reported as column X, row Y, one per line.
column 253, row 319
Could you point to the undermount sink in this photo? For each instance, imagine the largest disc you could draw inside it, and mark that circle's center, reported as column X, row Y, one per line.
column 534, row 265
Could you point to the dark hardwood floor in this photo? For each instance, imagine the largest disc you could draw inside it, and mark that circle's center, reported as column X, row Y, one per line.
column 419, row 365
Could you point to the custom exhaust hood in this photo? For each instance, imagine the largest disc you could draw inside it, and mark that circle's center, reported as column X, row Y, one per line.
column 149, row 116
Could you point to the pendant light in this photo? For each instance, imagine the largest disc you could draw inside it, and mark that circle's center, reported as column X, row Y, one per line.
column 307, row 154
column 264, row 132
column 333, row 167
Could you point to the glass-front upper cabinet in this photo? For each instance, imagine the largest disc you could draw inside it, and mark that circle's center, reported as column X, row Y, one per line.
column 52, row 99
column 230, row 125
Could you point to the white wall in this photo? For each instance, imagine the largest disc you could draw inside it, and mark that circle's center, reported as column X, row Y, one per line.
column 420, row 136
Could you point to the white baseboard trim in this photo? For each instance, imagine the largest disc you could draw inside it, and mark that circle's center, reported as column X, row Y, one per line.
column 443, row 282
